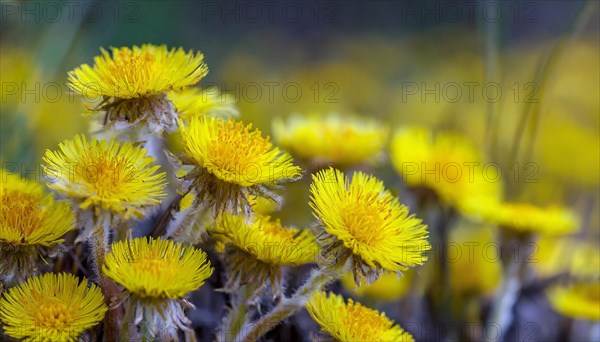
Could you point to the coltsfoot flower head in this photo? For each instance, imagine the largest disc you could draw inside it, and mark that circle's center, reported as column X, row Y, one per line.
column 231, row 162
column 157, row 274
column 528, row 218
column 51, row 307
column 105, row 176
column 362, row 220
column 446, row 163
column 263, row 245
column 334, row 139
column 133, row 82
column 31, row 225
column 156, row 268
column 197, row 101
column 352, row 321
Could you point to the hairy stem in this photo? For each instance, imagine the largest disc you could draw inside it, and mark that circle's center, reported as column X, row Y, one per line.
column 234, row 320
column 100, row 246
column 252, row 331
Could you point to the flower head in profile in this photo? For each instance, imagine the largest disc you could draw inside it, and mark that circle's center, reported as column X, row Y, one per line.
column 334, row 139
column 263, row 245
column 157, row 274
column 231, row 162
column 51, row 307
column 528, row 218
column 363, row 221
column 447, row 163
column 351, row 321
column 106, row 176
column 197, row 101
column 579, row 300
column 133, row 82
column 578, row 257
column 31, row 225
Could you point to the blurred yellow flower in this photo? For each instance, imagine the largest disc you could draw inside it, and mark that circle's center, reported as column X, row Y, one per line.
column 474, row 270
column 29, row 216
column 579, row 300
column 107, row 175
column 351, row 321
column 448, row 164
column 156, row 268
column 363, row 220
column 197, row 101
column 528, row 218
column 388, row 288
column 261, row 205
column 333, row 139
column 141, row 71
column 579, row 297
column 232, row 161
column 51, row 307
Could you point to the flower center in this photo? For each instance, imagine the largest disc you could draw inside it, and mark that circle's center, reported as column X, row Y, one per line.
column 53, row 314
column 20, row 212
column 155, row 267
column 129, row 63
column 235, row 149
column 364, row 218
column 364, row 324
column 105, row 175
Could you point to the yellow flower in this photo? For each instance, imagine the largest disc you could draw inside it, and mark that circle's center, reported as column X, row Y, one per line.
column 388, row 288
column 31, row 226
column 144, row 71
column 363, row 219
column 267, row 240
column 196, row 101
column 474, row 269
column 351, row 321
column 232, row 162
column 107, row 175
column 580, row 296
column 29, row 216
column 263, row 245
column 528, row 218
column 51, row 307
column 448, row 164
column 578, row 300
column 332, row 139
column 150, row 268
column 133, row 84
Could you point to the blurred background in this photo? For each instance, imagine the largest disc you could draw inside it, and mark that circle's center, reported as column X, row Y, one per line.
column 504, row 73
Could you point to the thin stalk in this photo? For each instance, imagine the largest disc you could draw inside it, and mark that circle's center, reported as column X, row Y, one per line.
column 492, row 34
column 252, row 331
column 530, row 114
column 100, row 247
column 234, row 320
column 501, row 317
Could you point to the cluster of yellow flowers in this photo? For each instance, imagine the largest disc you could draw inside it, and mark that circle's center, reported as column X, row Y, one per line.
column 218, row 189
